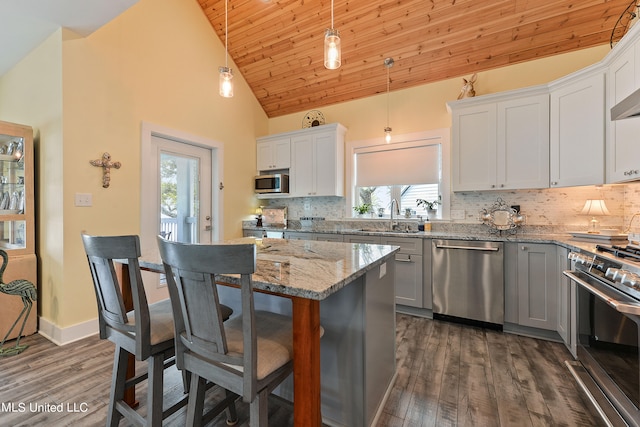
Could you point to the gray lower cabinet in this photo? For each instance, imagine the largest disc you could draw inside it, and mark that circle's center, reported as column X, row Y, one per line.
column 329, row 237
column 252, row 233
column 409, row 264
column 357, row 238
column 537, row 285
column 297, row 235
column 427, row 294
column 566, row 303
column 307, row 235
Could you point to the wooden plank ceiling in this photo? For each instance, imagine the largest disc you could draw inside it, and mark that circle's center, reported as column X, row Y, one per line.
column 278, row 44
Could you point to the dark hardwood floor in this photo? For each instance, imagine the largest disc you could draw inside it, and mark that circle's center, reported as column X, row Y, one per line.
column 448, row 375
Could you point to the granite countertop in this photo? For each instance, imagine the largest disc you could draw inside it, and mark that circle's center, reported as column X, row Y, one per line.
column 457, row 235
column 304, row 268
column 312, row 269
column 565, row 240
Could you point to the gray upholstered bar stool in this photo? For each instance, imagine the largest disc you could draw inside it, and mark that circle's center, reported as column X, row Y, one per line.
column 248, row 355
column 147, row 332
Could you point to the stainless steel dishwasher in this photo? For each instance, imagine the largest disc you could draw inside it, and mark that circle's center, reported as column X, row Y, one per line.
column 468, row 281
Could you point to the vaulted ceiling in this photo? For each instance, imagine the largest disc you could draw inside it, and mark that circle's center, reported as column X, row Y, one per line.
column 277, row 45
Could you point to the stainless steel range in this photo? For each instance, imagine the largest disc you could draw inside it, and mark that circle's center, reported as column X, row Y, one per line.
column 607, row 306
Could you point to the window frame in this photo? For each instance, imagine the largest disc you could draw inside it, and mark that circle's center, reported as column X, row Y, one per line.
column 435, row 136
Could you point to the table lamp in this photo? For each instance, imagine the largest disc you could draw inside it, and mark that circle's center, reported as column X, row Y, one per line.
column 259, row 216
column 594, row 208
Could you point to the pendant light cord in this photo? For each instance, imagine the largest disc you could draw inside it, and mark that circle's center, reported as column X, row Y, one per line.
column 332, row 14
column 226, row 35
column 388, row 84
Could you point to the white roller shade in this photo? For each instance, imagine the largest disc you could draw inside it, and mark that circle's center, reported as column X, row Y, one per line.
column 398, row 166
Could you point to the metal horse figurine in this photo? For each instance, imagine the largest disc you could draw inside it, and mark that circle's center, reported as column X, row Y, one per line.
column 25, row 290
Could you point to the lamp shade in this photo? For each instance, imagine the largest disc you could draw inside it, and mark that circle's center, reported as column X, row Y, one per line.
column 595, row 208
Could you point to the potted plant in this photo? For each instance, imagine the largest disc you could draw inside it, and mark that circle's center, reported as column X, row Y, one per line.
column 362, row 209
column 431, row 207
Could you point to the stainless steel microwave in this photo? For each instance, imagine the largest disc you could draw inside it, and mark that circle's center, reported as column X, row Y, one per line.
column 276, row 183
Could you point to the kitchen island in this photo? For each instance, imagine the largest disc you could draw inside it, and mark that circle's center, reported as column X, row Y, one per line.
column 349, row 288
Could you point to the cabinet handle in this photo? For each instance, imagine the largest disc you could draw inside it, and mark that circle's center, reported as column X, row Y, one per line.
column 470, row 248
column 524, row 248
column 501, row 185
column 404, row 260
column 493, row 186
column 554, row 183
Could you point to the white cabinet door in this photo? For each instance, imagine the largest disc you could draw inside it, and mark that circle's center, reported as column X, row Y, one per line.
column 326, row 165
column 273, row 154
column 537, row 286
column 317, row 167
column 302, row 179
column 523, row 143
column 474, row 148
column 501, row 144
column 623, row 150
column 577, row 132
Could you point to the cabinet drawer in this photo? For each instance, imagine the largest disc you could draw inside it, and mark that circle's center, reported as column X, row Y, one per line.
column 407, row 245
column 356, row 238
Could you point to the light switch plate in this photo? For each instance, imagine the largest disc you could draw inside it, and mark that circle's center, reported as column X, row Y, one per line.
column 457, row 214
column 84, row 199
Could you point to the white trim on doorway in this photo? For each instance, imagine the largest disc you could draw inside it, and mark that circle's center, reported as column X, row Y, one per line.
column 146, row 180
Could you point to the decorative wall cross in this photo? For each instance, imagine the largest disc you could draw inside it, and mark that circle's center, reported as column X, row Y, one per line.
column 106, row 164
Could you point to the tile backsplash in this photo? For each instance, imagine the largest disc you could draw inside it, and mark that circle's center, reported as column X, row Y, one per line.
column 557, row 208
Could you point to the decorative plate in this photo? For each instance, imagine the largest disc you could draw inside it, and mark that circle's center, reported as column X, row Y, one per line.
column 312, row 119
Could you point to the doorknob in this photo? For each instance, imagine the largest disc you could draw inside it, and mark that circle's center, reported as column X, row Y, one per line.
column 208, row 218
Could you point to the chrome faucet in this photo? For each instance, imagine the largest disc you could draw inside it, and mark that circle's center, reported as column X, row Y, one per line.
column 393, row 224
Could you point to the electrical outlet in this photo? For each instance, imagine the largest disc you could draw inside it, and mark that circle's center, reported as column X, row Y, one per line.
column 457, row 214
column 84, row 199
column 307, row 206
column 383, row 269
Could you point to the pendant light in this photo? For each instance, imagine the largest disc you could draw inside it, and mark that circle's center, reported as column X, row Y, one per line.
column 388, row 62
column 332, row 54
column 226, row 74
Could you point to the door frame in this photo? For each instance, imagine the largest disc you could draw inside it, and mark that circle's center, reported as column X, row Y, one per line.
column 147, row 179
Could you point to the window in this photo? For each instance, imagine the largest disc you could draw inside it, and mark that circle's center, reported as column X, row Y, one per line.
column 379, row 198
column 413, row 168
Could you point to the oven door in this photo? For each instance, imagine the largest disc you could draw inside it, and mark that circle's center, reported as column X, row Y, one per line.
column 607, row 342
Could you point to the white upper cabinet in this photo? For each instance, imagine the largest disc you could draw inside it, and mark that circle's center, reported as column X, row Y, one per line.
column 577, row 130
column 317, row 166
column 273, row 153
column 474, row 147
column 623, row 149
column 523, row 142
column 501, row 142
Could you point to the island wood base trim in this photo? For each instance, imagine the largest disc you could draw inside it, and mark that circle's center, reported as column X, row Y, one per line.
column 306, row 362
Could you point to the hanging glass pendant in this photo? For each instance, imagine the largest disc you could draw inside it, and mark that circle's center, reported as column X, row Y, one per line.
column 332, row 51
column 387, row 134
column 226, row 82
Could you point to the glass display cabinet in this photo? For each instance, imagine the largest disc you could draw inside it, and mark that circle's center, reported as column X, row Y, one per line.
column 17, row 221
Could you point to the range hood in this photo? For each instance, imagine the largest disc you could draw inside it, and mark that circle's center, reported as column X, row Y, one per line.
column 628, row 107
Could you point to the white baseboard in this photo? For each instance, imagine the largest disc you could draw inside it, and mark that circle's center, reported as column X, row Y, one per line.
column 62, row 336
